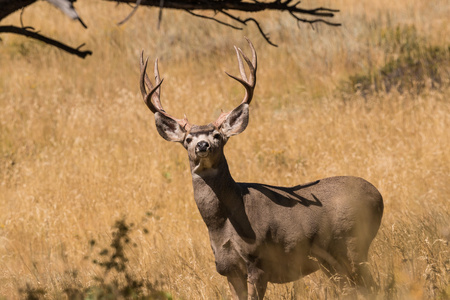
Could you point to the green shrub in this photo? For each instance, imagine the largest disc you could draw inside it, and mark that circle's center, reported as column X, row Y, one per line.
column 410, row 65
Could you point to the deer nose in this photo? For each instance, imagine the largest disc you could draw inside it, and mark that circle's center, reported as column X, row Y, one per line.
column 202, row 146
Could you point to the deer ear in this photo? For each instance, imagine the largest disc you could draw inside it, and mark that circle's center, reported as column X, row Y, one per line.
column 236, row 121
column 169, row 129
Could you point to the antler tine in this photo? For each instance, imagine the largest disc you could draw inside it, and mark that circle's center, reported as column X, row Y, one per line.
column 155, row 92
column 157, row 78
column 146, row 81
column 240, row 63
column 254, row 59
column 149, row 84
column 248, row 82
column 157, row 98
column 143, row 66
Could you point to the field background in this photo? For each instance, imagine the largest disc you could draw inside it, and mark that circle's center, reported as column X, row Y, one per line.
column 79, row 149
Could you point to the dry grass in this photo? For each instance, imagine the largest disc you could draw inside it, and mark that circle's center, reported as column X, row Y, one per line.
column 79, row 150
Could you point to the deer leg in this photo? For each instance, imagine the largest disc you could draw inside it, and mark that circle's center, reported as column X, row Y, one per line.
column 256, row 284
column 238, row 286
column 360, row 271
column 331, row 264
column 364, row 279
column 335, row 268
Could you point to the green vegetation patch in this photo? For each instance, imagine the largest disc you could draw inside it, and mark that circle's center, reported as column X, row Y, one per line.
column 411, row 65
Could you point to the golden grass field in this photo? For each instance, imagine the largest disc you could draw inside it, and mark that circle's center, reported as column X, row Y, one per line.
column 79, row 149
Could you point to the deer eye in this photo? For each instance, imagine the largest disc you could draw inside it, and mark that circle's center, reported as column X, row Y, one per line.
column 217, row 136
column 188, row 140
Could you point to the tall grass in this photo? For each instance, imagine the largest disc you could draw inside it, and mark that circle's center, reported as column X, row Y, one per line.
column 79, row 150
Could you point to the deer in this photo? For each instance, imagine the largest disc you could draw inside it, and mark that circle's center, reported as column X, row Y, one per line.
column 261, row 233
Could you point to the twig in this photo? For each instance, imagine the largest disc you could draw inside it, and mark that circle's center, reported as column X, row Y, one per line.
column 138, row 2
column 244, row 22
column 161, row 4
column 25, row 31
column 313, row 21
column 21, row 16
column 213, row 19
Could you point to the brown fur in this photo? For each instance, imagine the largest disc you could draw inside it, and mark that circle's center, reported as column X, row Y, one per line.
column 261, row 233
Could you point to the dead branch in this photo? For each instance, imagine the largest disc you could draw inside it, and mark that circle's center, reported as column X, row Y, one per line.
column 223, row 7
column 29, row 32
column 226, row 9
column 214, row 19
column 138, row 2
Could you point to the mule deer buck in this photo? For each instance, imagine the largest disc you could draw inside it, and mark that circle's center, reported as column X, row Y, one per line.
column 261, row 233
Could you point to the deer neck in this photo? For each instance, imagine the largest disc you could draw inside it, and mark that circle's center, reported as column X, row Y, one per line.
column 217, row 195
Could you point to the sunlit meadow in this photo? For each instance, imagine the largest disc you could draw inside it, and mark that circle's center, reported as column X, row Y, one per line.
column 79, row 149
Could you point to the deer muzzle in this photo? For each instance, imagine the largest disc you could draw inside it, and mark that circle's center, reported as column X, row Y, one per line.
column 202, row 148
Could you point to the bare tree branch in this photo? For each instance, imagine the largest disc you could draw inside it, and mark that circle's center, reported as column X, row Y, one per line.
column 138, row 2
column 316, row 15
column 313, row 21
column 66, row 6
column 28, row 32
column 161, row 5
column 222, row 8
column 7, row 7
column 244, row 22
column 214, row 19
column 238, row 5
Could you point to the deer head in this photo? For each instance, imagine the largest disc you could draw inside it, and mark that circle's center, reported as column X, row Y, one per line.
column 204, row 143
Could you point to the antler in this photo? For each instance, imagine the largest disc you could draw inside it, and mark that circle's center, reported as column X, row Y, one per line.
column 248, row 82
column 155, row 93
